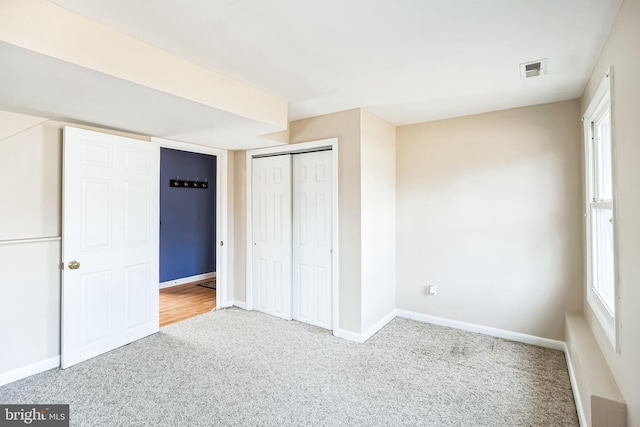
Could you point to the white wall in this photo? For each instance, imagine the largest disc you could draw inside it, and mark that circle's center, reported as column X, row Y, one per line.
column 489, row 210
column 621, row 52
column 378, row 186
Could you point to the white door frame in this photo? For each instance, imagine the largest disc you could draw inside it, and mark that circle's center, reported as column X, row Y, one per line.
column 292, row 149
column 224, row 294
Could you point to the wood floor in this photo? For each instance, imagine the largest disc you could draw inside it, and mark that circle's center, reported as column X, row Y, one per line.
column 183, row 302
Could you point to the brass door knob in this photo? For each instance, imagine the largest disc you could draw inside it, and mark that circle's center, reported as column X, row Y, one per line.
column 74, row 265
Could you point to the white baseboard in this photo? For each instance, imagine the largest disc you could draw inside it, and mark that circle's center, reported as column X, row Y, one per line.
column 500, row 333
column 184, row 280
column 378, row 325
column 27, row 371
column 239, row 304
column 363, row 336
column 226, row 304
column 348, row 335
column 582, row 417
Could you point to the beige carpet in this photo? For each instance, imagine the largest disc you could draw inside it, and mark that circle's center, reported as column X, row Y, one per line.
column 232, row 367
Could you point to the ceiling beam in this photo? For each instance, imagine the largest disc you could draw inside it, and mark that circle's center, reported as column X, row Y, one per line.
column 48, row 29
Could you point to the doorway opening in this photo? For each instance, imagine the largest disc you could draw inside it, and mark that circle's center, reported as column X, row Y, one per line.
column 188, row 212
column 182, row 302
column 110, row 232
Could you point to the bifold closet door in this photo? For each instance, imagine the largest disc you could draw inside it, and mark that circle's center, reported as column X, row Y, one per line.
column 271, row 218
column 312, row 231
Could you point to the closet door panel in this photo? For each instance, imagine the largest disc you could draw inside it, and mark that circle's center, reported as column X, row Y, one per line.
column 312, row 231
column 271, row 210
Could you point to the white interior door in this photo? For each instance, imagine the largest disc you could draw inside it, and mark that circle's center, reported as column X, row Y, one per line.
column 110, row 236
column 271, row 218
column 311, row 258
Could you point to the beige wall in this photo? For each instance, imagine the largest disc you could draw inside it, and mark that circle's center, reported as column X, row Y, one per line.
column 621, row 52
column 30, row 180
column 29, row 305
column 489, row 211
column 240, row 226
column 346, row 127
column 30, row 184
column 378, row 205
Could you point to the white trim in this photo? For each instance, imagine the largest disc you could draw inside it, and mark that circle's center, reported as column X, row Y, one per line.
column 185, row 280
column 607, row 322
column 582, row 418
column 347, row 335
column 335, row 267
column 249, row 232
column 240, row 304
column 293, row 148
column 610, row 324
column 224, row 289
column 601, row 92
column 222, row 229
column 364, row 336
column 32, row 240
column 499, row 333
column 27, row 371
column 379, row 325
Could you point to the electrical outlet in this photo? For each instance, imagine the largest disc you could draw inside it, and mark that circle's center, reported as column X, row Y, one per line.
column 432, row 290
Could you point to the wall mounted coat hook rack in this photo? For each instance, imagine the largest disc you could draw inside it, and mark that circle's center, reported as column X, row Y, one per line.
column 187, row 183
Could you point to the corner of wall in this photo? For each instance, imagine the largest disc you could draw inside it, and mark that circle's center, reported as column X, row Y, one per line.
column 378, row 219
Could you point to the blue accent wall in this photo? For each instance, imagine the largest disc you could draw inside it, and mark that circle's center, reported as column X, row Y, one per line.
column 187, row 215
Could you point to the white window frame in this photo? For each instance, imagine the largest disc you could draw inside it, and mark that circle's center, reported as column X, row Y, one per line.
column 607, row 316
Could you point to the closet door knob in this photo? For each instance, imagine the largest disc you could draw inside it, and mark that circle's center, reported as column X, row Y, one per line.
column 74, row 265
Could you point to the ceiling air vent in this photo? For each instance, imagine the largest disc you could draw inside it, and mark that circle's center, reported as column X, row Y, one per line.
column 532, row 69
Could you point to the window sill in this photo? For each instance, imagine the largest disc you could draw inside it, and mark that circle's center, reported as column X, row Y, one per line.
column 607, row 322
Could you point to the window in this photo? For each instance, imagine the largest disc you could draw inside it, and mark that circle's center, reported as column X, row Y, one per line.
column 600, row 218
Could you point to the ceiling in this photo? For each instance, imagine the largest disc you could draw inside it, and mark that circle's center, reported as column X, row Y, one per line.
column 407, row 61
